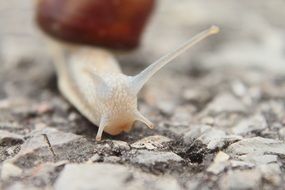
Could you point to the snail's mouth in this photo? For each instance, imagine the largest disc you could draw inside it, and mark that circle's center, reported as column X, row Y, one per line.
column 117, row 129
column 128, row 127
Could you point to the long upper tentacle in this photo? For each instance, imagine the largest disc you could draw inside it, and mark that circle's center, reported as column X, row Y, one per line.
column 139, row 80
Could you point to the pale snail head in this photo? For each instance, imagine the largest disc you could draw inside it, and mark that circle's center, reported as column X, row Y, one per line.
column 113, row 106
column 118, row 94
column 118, row 105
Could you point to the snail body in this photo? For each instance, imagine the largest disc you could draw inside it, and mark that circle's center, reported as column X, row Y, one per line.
column 91, row 79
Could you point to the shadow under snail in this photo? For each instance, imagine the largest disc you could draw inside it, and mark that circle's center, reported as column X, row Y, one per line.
column 90, row 77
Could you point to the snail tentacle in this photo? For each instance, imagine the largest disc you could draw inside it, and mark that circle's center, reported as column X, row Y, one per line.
column 140, row 79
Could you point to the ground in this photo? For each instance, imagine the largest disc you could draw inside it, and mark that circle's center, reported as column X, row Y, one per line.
column 217, row 126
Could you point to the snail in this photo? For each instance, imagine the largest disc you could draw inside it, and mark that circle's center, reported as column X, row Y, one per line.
column 90, row 78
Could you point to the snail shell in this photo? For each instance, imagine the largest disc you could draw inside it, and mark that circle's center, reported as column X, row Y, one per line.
column 116, row 24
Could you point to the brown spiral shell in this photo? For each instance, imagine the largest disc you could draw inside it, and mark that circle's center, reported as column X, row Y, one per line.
column 117, row 24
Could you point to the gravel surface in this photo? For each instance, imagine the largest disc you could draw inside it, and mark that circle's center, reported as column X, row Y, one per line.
column 217, row 127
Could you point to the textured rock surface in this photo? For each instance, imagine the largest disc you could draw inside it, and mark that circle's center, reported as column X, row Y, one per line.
column 9, row 170
column 258, row 146
column 51, row 145
column 151, row 142
column 150, row 157
column 92, row 176
column 246, row 179
column 219, row 164
column 7, row 138
column 211, row 137
column 216, row 127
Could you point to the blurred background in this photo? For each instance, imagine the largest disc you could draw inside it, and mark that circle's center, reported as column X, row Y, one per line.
column 252, row 33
